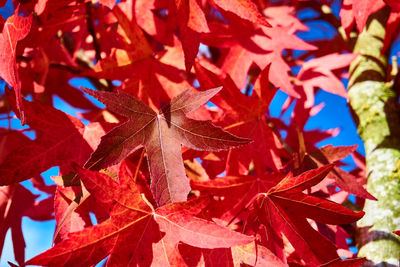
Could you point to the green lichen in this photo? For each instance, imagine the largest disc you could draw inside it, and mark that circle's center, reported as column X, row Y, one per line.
column 381, row 249
column 375, row 105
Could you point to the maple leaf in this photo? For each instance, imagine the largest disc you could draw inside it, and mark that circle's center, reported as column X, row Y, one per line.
column 318, row 73
column 39, row 75
column 78, row 218
column 329, row 154
column 152, row 77
column 192, row 23
column 135, row 232
column 285, row 208
column 16, row 201
column 161, row 134
column 262, row 46
column 244, row 114
column 15, row 29
column 358, row 11
column 362, row 9
column 298, row 139
column 61, row 139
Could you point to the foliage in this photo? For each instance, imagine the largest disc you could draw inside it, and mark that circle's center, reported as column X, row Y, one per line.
column 173, row 179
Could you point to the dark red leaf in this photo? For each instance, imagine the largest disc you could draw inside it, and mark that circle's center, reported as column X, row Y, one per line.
column 161, row 134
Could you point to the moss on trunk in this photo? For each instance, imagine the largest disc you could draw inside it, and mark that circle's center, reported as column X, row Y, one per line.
column 376, row 107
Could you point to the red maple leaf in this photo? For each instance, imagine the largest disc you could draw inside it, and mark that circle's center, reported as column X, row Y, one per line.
column 59, row 137
column 260, row 45
column 135, row 232
column 192, row 22
column 358, row 11
column 16, row 201
column 15, row 29
column 245, row 115
column 161, row 134
column 329, row 154
column 283, row 209
column 318, row 73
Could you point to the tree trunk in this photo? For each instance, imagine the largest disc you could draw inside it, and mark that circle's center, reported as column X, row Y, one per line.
column 376, row 107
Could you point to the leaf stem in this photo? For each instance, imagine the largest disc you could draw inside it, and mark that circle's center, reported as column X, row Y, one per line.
column 138, row 165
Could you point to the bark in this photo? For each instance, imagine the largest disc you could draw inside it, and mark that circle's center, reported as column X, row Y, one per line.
column 376, row 107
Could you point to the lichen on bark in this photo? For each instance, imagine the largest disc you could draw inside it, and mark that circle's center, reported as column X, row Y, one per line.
column 376, row 107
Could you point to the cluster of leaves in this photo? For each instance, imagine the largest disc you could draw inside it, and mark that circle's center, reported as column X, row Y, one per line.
column 224, row 184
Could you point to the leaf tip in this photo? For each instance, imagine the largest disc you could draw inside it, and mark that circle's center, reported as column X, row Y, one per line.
column 86, row 90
